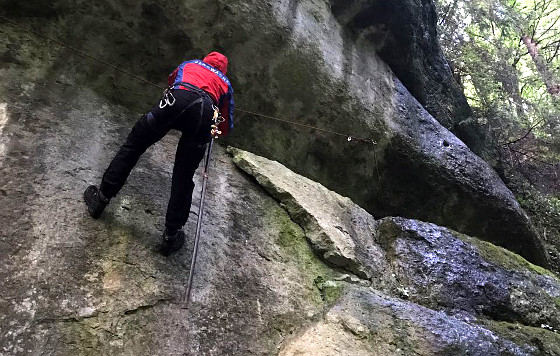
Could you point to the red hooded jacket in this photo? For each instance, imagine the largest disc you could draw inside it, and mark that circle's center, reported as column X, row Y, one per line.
column 210, row 76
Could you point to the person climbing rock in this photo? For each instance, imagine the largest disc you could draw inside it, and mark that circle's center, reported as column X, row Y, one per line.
column 196, row 89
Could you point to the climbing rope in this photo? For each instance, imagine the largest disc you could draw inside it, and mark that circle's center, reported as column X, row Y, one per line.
column 348, row 137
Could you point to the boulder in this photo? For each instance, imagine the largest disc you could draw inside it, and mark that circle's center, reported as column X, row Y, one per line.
column 422, row 262
column 432, row 291
column 365, row 322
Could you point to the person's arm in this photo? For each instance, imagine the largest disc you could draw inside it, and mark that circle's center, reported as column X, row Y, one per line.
column 226, row 109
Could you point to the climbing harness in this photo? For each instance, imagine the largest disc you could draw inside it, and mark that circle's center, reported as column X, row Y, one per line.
column 169, row 100
column 216, row 120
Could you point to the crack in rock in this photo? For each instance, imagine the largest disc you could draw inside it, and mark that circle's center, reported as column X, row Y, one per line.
column 146, row 306
column 325, row 216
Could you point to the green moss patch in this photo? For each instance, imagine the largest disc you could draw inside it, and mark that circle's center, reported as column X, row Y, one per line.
column 330, row 290
column 291, row 239
column 544, row 341
column 504, row 258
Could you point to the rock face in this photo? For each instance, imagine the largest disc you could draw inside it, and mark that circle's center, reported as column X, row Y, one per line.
column 438, row 268
column 286, row 265
column 296, row 60
column 74, row 286
column 283, row 270
column 404, row 34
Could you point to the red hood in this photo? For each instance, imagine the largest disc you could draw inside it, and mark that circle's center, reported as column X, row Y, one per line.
column 217, row 60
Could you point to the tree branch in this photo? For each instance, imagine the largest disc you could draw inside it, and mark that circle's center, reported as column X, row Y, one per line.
column 526, row 134
column 548, row 29
column 555, row 52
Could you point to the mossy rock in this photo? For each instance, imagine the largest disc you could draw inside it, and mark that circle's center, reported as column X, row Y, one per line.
column 545, row 342
column 504, row 258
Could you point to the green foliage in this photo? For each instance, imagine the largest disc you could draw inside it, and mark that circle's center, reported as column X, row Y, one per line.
column 507, row 89
column 506, row 54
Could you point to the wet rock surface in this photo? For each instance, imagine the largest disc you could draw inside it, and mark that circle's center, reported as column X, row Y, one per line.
column 444, row 270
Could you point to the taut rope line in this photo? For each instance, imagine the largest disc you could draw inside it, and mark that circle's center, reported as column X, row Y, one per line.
column 119, row 69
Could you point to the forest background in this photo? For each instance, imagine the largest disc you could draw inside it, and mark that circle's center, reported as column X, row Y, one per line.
column 506, row 56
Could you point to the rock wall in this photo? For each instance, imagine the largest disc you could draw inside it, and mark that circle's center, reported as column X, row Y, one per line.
column 295, row 60
column 75, row 286
column 281, row 269
column 404, row 35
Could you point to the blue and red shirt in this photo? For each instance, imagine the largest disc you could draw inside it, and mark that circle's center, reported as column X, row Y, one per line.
column 209, row 75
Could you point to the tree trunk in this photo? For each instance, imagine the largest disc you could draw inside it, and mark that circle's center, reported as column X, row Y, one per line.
column 552, row 84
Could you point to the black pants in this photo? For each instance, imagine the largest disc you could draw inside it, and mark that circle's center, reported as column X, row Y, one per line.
column 192, row 115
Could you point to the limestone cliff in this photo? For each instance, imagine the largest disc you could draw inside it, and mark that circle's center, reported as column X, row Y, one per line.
column 404, row 35
column 287, row 265
column 296, row 60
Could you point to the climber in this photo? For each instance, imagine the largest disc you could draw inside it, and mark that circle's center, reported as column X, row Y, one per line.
column 196, row 89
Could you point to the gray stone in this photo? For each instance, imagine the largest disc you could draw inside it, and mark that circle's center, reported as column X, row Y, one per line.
column 485, row 288
column 430, row 265
column 340, row 231
column 404, row 35
column 76, row 286
column 274, row 263
column 365, row 322
column 295, row 60
column 445, row 270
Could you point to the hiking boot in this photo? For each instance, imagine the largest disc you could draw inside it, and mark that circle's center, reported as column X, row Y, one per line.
column 95, row 201
column 172, row 242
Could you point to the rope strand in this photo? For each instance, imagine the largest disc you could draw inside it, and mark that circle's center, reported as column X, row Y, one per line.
column 119, row 69
column 348, row 137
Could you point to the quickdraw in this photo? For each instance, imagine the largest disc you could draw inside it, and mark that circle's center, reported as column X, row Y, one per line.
column 166, row 101
column 216, row 120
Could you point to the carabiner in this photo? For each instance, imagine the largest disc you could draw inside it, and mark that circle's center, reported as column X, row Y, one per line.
column 218, row 118
column 165, row 100
column 171, row 103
